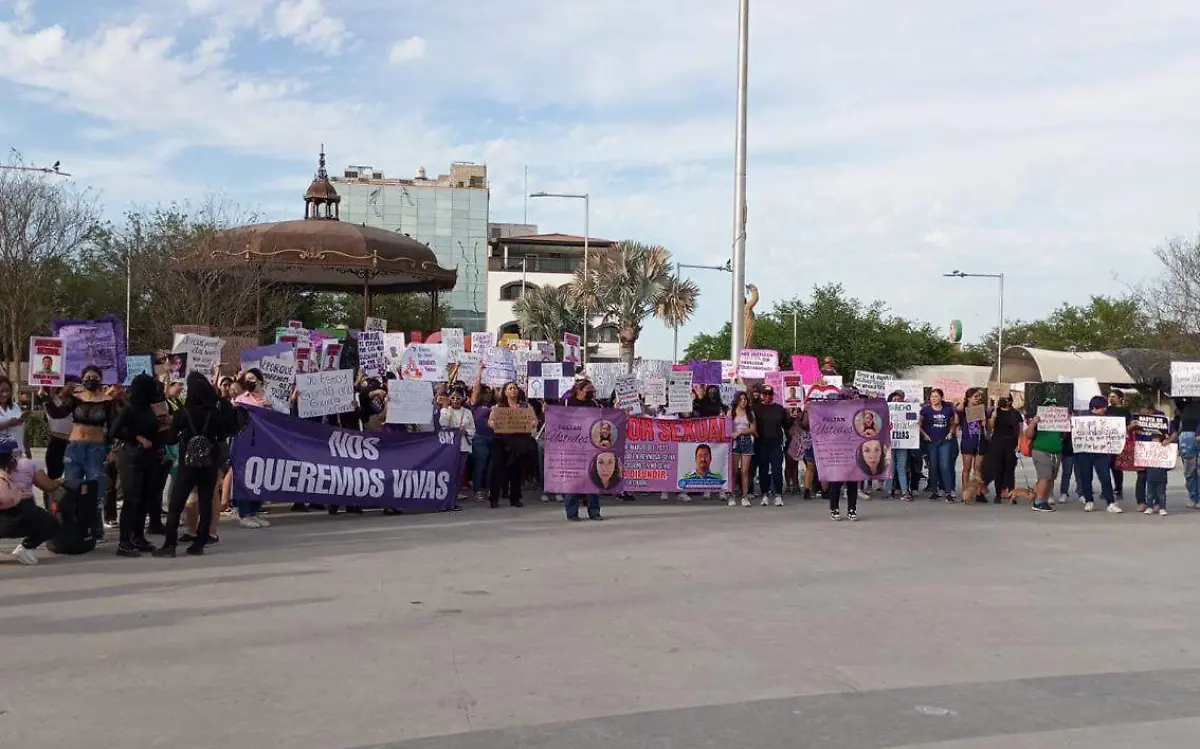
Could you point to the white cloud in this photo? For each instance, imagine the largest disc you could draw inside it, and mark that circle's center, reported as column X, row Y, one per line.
column 306, row 22
column 406, row 50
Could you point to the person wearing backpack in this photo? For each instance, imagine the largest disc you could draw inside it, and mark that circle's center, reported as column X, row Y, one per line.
column 197, row 428
column 19, row 513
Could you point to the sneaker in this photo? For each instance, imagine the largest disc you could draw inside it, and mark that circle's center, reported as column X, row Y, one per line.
column 766, row 501
column 732, row 502
column 807, row 494
column 1193, row 505
column 1162, row 512
column 1043, row 507
column 684, row 497
column 745, row 501
column 835, row 515
column 864, row 494
column 545, row 499
column 950, row 500
column 261, row 523
column 248, row 522
column 1114, row 508
column 778, row 501
column 853, row 515
column 25, row 556
column 1090, row 506
column 1148, row 511
column 128, row 550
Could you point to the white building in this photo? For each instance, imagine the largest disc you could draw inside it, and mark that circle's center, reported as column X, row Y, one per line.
column 517, row 263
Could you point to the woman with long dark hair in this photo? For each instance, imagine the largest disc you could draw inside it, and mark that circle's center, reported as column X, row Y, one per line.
column 743, row 445
column 138, row 448
column 511, row 451
column 198, row 428
column 92, row 411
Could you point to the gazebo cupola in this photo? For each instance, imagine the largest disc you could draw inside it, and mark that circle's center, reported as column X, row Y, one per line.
column 321, row 200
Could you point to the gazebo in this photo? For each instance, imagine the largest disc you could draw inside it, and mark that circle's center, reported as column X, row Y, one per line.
column 321, row 253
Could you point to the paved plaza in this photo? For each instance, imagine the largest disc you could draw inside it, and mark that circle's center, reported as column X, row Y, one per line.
column 669, row 625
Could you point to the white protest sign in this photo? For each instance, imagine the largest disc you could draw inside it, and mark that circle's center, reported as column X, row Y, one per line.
column 454, row 341
column 654, row 390
column 1085, row 389
column 546, row 348
column 728, row 371
column 1185, row 379
column 325, row 393
column 604, row 377
column 394, row 347
column 1155, row 454
column 914, row 390
column 279, row 375
column 679, row 392
column 499, row 367
column 521, row 361
column 203, row 353
column 754, row 363
column 423, row 361
column 46, row 362
column 1054, row 418
column 481, row 342
column 410, row 402
column 652, row 369
column 552, row 370
column 729, row 391
column 536, row 388
column 871, row 383
column 370, row 353
column 627, row 394
column 1098, row 434
column 376, row 325
column 905, row 419
column 469, row 364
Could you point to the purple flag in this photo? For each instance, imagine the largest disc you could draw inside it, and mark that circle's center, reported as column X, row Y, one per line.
column 251, row 357
column 851, row 439
column 278, row 458
column 705, row 372
column 585, row 448
column 99, row 342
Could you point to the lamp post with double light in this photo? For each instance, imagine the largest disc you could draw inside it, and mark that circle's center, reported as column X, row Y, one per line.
column 727, row 268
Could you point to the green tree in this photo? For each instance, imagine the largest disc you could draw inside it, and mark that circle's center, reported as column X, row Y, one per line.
column 403, row 312
column 856, row 335
column 627, row 284
column 546, row 312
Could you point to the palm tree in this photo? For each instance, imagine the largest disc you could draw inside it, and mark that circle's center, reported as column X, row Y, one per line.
column 546, row 312
column 630, row 282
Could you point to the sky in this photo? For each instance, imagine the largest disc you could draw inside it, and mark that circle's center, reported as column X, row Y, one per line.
column 889, row 143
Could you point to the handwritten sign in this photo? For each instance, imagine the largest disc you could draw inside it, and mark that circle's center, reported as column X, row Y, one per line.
column 203, row 353
column 46, row 362
column 754, row 363
column 952, row 390
column 454, row 341
column 371, row 357
column 325, row 393
column 871, row 383
column 705, row 372
column 410, row 402
column 905, row 420
column 423, row 361
column 807, row 367
column 679, row 392
column 483, row 341
column 1054, row 418
column 512, row 420
column 499, row 367
column 914, row 390
column 136, row 364
column 626, row 397
column 976, row 413
column 1155, row 454
column 1185, row 379
column 1098, row 434
column 279, row 376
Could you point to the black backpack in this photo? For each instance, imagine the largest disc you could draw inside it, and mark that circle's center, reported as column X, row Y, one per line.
column 198, row 452
column 76, row 513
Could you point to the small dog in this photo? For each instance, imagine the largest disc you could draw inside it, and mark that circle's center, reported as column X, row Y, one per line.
column 1025, row 494
column 971, row 490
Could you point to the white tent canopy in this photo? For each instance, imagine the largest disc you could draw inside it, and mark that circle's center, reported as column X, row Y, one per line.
column 1024, row 364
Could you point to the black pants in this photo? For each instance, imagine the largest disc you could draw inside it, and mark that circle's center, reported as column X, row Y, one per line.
column 768, row 454
column 1118, row 481
column 508, row 467
column 204, row 481
column 834, row 492
column 135, row 469
column 915, row 464
column 56, row 448
column 110, row 492
column 1000, row 466
column 28, row 520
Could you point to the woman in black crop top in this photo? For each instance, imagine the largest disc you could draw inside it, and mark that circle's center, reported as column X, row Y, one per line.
column 136, row 435
column 92, row 411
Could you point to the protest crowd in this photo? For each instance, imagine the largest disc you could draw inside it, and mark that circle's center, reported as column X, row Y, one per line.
column 165, row 446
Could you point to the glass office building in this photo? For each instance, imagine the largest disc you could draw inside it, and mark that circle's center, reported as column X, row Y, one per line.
column 448, row 213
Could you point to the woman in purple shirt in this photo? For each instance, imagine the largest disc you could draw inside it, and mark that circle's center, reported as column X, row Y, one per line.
column 937, row 424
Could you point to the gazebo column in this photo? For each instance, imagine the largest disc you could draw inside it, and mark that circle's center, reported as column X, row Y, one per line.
column 433, row 312
column 366, row 300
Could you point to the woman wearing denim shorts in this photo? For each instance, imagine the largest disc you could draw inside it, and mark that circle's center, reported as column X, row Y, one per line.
column 743, row 445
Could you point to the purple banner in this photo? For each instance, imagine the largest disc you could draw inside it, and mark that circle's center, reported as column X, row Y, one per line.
column 851, row 439
column 584, row 450
column 99, row 342
column 278, row 458
column 705, row 372
column 251, row 357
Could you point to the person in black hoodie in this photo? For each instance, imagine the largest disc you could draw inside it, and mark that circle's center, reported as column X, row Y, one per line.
column 139, row 448
column 772, row 424
column 198, row 428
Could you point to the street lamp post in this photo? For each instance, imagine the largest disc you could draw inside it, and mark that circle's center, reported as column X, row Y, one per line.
column 738, row 321
column 1000, row 329
column 587, row 214
column 727, row 267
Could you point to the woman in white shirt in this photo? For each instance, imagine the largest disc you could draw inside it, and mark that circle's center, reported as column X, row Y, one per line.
column 12, row 418
column 455, row 416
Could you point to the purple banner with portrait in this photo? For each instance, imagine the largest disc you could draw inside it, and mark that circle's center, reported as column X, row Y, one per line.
column 584, row 449
column 278, row 458
column 851, row 439
column 93, row 342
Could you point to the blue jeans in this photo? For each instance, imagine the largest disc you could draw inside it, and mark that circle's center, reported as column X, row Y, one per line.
column 769, row 456
column 941, row 466
column 481, row 462
column 953, row 462
column 1085, row 465
column 1068, row 470
column 899, row 471
column 85, row 461
column 571, row 503
column 1191, row 473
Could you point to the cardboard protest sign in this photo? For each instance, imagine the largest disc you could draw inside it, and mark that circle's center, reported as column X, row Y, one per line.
column 513, row 420
column 952, row 390
column 376, row 325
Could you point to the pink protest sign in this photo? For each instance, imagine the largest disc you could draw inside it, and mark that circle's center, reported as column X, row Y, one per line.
column 807, row 366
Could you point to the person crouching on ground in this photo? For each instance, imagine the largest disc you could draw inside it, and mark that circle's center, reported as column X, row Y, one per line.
column 19, row 513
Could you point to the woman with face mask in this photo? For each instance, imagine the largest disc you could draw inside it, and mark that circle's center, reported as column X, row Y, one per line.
column 1000, row 465
column 91, row 411
column 135, row 432
column 251, row 396
column 455, row 416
